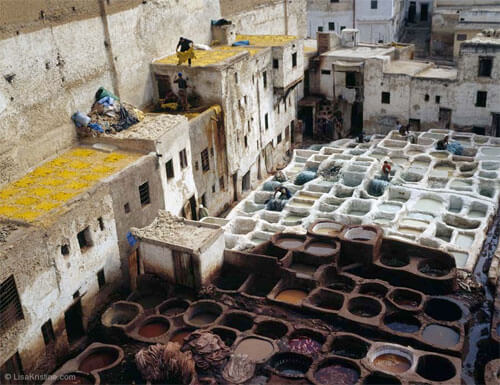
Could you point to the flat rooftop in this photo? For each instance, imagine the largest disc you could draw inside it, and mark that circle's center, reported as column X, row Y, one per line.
column 167, row 228
column 439, row 73
column 217, row 55
column 359, row 52
column 50, row 186
column 405, row 67
column 152, row 127
column 267, row 40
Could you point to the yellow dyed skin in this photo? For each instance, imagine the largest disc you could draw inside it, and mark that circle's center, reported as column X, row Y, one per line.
column 216, row 55
column 267, row 40
column 54, row 183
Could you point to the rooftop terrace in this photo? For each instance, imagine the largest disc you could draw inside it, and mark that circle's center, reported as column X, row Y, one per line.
column 48, row 187
column 267, row 40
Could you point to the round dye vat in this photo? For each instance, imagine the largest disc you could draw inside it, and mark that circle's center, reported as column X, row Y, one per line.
column 360, row 234
column 257, row 349
column 75, row 379
column 290, row 364
column 304, row 345
column 179, row 336
column 98, row 359
column 203, row 318
column 291, row 296
column 441, row 336
column 433, row 268
column 153, row 329
column 339, row 373
column 392, row 363
column 320, row 249
column 402, row 323
column 289, row 243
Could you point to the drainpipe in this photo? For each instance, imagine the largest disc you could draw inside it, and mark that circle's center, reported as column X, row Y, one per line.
column 109, row 48
column 353, row 13
column 285, row 3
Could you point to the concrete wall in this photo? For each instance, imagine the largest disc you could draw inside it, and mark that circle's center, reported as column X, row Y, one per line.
column 47, row 280
column 320, row 13
column 271, row 17
column 55, row 57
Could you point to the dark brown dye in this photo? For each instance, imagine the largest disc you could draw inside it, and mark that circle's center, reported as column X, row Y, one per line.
column 395, row 260
column 226, row 335
column 289, row 243
column 320, row 249
column 441, row 336
column 261, row 286
column 271, row 329
column 339, row 374
column 230, row 279
column 433, row 268
column 330, row 301
column 98, row 359
column 172, row 311
column 402, row 323
column 238, row 321
column 407, row 298
column 435, row 368
column 153, row 329
column 364, row 307
column 393, row 363
column 304, row 345
column 381, row 379
column 75, row 379
column 350, row 347
column 290, row 364
column 373, row 290
column 338, row 282
column 179, row 336
column 203, row 318
column 443, row 310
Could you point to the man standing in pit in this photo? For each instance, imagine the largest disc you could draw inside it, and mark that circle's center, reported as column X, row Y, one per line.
column 182, row 84
column 386, row 170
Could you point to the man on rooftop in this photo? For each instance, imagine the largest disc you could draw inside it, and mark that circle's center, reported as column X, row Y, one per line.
column 185, row 51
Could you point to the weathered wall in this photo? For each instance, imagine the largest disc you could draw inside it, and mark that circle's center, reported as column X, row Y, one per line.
column 54, row 58
column 443, row 32
column 320, row 13
column 47, row 280
column 272, row 17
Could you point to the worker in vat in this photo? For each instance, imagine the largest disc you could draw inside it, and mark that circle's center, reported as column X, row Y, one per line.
column 183, row 86
column 442, row 144
column 401, row 128
column 281, row 192
column 185, row 51
column 386, row 170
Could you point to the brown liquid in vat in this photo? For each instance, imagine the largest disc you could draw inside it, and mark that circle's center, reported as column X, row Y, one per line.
column 179, row 337
column 153, row 329
column 203, row 318
column 317, row 248
column 97, row 360
column 291, row 296
column 256, row 348
column 289, row 243
column 392, row 363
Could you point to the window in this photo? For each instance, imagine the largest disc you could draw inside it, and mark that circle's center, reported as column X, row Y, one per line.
column 196, row 166
column 485, row 66
column 438, row 99
column 249, row 126
column 287, row 133
column 144, row 194
column 204, row 200
column 478, row 130
column 374, row 4
column 213, row 188
column 101, row 279
column 326, row 72
column 331, row 26
column 276, row 63
column 245, row 99
column 292, row 128
column 278, row 107
column 246, row 141
column 126, row 208
column 334, row 1
column 342, row 27
column 320, row 29
column 65, row 249
column 10, row 306
column 278, row 139
column 169, row 168
column 236, row 77
column 461, row 37
column 294, row 59
column 350, row 79
column 481, row 98
column 183, row 159
column 426, row 97
column 245, row 182
column 264, row 78
column 222, row 187
column 101, row 223
column 266, row 121
column 84, row 239
column 386, row 97
column 211, row 151
column 205, row 163
column 48, row 333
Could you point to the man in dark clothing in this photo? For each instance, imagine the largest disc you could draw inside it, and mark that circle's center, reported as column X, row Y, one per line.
column 185, row 50
column 386, row 170
column 442, row 144
column 182, row 84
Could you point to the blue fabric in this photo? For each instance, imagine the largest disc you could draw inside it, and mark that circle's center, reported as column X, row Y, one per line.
column 106, row 101
column 455, row 148
column 304, row 177
column 241, row 42
column 270, row 185
column 131, row 240
column 275, row 204
column 96, row 127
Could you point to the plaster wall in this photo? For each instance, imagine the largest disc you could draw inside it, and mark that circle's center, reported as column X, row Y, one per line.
column 286, row 73
column 158, row 260
column 47, row 280
column 321, row 18
column 211, row 259
column 442, row 32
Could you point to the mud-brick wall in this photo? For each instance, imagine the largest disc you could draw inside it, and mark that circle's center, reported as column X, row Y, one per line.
column 278, row 17
column 47, row 280
column 56, row 53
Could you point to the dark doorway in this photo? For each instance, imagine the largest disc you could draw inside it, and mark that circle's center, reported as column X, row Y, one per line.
column 356, row 118
column 445, row 118
column 306, row 83
column 412, row 11
column 235, row 186
column 495, row 125
column 414, row 124
column 192, row 206
column 245, row 182
column 424, row 12
column 11, row 369
column 306, row 115
column 74, row 323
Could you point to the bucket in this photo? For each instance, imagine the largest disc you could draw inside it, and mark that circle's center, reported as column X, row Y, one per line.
column 80, row 119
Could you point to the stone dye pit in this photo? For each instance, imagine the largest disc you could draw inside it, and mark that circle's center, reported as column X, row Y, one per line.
column 434, row 198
